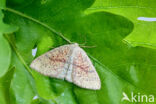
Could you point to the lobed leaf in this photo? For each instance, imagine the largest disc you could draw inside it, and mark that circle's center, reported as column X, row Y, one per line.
column 143, row 33
column 121, row 68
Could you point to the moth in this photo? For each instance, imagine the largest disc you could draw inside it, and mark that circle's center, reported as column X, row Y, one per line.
column 69, row 62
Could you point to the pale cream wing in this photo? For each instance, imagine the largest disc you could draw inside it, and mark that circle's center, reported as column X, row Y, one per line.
column 83, row 72
column 54, row 63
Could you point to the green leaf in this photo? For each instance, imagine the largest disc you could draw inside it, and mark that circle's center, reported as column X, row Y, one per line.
column 4, row 27
column 121, row 68
column 43, row 83
column 5, row 55
column 2, row 4
column 5, row 51
column 21, row 91
column 44, row 44
column 144, row 32
column 5, row 85
column 42, row 101
column 5, row 58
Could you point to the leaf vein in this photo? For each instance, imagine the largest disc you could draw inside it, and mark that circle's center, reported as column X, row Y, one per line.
column 39, row 22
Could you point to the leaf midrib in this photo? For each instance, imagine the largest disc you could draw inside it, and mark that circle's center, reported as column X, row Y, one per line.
column 39, row 22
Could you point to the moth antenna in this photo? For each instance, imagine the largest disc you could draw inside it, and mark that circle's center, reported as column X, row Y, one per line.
column 83, row 45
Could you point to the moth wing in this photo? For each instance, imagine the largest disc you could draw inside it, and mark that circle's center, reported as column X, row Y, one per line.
column 83, row 72
column 53, row 63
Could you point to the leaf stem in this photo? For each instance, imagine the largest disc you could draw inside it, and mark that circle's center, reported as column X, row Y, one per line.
column 18, row 54
column 37, row 21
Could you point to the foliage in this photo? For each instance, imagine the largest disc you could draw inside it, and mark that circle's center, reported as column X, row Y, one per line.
column 46, row 24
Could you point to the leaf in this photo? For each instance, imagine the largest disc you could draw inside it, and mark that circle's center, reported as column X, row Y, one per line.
column 2, row 4
column 5, row 85
column 5, row 58
column 21, row 90
column 43, row 45
column 121, row 68
column 144, row 31
column 43, row 83
column 5, row 52
column 5, row 55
